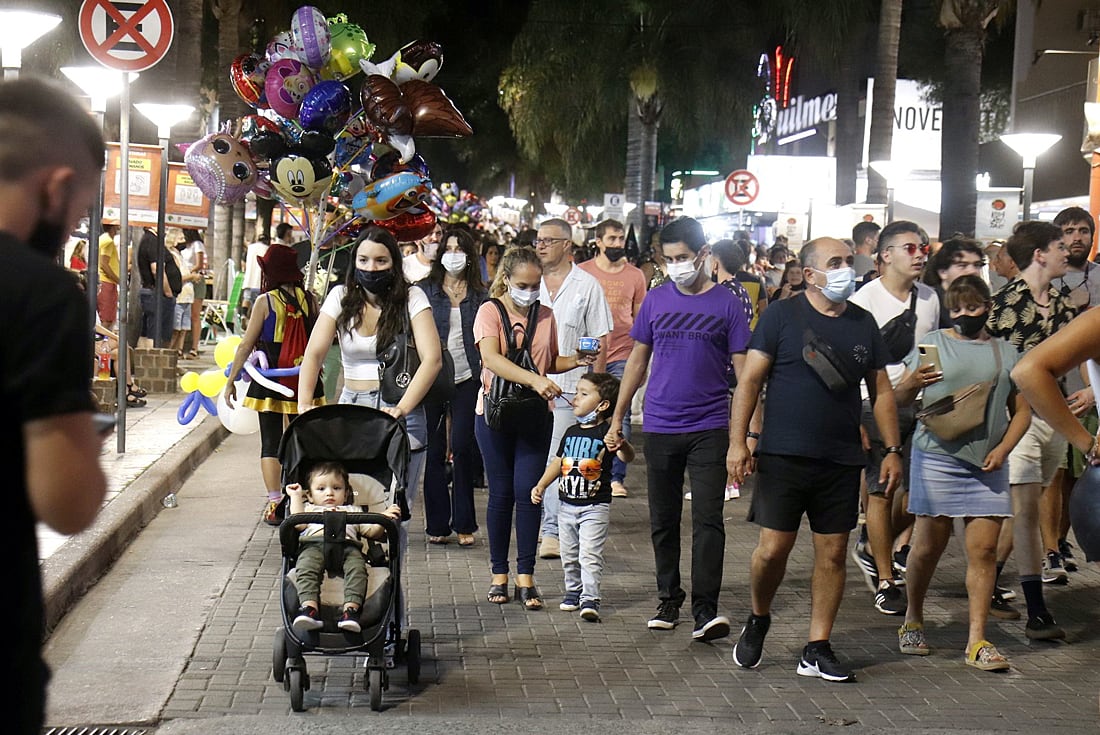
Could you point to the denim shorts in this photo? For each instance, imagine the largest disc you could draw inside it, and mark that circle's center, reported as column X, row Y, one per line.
column 416, row 423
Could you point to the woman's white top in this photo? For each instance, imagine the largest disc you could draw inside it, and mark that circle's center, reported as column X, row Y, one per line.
column 359, row 353
column 457, row 348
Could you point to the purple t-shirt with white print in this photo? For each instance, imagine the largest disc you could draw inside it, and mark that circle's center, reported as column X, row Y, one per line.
column 692, row 337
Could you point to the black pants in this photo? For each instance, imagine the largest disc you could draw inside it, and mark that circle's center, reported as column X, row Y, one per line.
column 703, row 454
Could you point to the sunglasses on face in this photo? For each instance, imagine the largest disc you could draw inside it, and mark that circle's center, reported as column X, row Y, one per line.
column 913, row 247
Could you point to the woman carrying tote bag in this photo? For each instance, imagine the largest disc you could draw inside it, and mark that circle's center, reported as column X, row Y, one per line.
column 515, row 456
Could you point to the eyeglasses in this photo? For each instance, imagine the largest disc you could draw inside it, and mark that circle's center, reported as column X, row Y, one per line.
column 548, row 241
column 913, row 247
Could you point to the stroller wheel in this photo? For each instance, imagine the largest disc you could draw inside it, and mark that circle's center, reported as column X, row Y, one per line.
column 278, row 655
column 296, row 684
column 374, row 684
column 412, row 655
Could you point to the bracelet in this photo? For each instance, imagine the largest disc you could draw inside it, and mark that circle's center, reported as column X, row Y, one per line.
column 1090, row 455
column 752, row 435
column 892, row 450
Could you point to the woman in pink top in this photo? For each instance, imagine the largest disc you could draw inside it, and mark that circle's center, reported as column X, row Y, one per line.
column 515, row 459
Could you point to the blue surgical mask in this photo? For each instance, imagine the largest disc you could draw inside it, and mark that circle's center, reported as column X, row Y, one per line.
column 589, row 418
column 840, row 284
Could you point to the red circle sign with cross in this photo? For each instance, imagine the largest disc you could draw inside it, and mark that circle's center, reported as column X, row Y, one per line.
column 573, row 215
column 127, row 35
column 742, row 187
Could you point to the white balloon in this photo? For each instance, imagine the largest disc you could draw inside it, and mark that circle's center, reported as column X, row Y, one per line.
column 239, row 420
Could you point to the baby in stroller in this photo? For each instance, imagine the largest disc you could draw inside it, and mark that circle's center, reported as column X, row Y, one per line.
column 329, row 489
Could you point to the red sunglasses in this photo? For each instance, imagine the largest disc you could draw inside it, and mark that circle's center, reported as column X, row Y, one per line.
column 912, row 248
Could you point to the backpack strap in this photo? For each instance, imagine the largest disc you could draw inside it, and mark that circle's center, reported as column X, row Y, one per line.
column 913, row 300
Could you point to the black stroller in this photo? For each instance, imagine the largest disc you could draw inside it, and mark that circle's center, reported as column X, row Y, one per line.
column 371, row 443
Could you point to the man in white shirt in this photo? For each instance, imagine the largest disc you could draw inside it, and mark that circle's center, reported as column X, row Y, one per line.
column 580, row 310
column 418, row 265
column 250, row 287
column 905, row 310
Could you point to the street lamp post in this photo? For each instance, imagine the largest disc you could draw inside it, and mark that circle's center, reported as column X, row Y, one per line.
column 164, row 117
column 19, row 29
column 894, row 172
column 1030, row 146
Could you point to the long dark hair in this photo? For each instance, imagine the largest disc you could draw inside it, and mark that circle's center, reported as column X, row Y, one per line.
column 395, row 303
column 472, row 273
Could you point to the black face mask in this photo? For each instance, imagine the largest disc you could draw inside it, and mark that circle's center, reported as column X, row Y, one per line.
column 969, row 326
column 374, row 282
column 614, row 254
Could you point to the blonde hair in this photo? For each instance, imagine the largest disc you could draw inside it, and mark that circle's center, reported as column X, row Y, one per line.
column 513, row 258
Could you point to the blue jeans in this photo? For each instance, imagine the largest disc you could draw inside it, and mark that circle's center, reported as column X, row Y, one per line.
column 583, row 533
column 446, row 509
column 161, row 333
column 563, row 419
column 618, row 467
column 514, row 462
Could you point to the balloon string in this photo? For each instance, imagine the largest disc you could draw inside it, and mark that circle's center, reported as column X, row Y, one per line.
column 290, row 213
column 344, row 168
column 355, row 218
column 350, row 118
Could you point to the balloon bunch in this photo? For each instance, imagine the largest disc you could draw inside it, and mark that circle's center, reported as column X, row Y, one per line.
column 334, row 134
column 455, row 205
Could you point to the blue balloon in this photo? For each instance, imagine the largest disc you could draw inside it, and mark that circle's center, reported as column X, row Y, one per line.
column 326, row 107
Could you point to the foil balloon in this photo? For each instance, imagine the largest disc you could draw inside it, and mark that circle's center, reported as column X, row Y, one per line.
column 247, row 74
column 263, row 188
column 416, row 60
column 222, row 167
column 351, row 150
column 410, row 226
column 390, row 196
column 390, row 163
column 249, row 126
column 326, row 107
column 434, row 115
column 310, row 34
column 384, row 110
column 349, row 46
column 297, row 178
column 346, row 185
column 286, row 84
column 281, row 46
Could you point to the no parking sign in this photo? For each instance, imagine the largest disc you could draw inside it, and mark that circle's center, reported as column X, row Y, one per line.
column 127, row 35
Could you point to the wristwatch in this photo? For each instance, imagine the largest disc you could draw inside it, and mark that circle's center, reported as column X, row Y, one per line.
column 892, row 450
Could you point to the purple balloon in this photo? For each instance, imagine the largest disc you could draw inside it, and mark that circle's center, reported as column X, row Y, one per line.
column 326, row 107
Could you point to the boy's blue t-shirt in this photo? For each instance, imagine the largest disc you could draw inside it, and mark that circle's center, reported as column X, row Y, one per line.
column 585, row 465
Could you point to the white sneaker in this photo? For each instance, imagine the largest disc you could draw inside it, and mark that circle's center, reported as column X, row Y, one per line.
column 618, row 490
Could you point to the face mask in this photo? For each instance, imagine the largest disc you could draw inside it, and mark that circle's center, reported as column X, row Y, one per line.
column 969, row 326
column 839, row 284
column 614, row 254
column 453, row 262
column 683, row 274
column 430, row 249
column 522, row 297
column 374, row 282
column 589, row 418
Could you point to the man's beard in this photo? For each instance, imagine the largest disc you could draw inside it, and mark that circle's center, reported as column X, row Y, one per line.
column 1076, row 259
column 47, row 238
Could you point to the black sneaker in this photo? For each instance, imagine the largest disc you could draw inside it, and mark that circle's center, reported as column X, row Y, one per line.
column 1001, row 608
column 1004, row 592
column 590, row 610
column 307, row 619
column 890, row 600
column 1069, row 563
column 866, row 564
column 349, row 621
column 709, row 629
column 901, row 560
column 820, row 661
column 750, row 646
column 1043, row 628
column 668, row 614
column 570, row 601
column 1053, row 571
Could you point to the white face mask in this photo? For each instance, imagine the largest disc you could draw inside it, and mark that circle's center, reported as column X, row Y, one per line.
column 522, row 297
column 839, row 285
column 453, row 263
column 430, row 249
column 683, row 274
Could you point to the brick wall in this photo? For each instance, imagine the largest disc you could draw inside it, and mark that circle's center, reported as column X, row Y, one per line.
column 155, row 370
column 106, row 394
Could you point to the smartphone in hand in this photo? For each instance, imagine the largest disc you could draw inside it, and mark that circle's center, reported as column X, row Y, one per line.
column 930, row 355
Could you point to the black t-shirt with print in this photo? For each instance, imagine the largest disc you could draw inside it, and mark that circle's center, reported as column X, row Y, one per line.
column 585, row 465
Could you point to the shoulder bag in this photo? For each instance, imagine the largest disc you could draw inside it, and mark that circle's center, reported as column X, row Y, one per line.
column 509, row 405
column 964, row 410
column 899, row 333
column 399, row 363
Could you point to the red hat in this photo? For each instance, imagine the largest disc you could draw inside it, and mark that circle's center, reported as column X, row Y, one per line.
column 279, row 265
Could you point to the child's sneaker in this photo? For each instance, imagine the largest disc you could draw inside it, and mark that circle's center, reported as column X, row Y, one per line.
column 349, row 620
column 271, row 513
column 590, row 611
column 570, row 601
column 307, row 619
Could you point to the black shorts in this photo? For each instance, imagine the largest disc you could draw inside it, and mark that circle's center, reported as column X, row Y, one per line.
column 788, row 487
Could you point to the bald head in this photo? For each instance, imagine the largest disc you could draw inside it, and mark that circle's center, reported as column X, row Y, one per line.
column 820, row 252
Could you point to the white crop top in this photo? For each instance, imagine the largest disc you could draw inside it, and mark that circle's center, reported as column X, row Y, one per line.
column 359, row 354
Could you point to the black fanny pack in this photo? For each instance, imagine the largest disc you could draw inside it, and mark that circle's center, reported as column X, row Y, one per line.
column 898, row 333
column 834, row 369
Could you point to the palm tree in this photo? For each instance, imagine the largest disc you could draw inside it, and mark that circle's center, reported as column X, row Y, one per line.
column 965, row 22
column 882, row 106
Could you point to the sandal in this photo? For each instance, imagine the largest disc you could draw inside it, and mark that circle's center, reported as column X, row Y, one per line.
column 911, row 640
column 133, row 401
column 466, row 539
column 193, row 354
column 985, row 656
column 529, row 596
column 498, row 594
column 438, row 540
column 135, row 391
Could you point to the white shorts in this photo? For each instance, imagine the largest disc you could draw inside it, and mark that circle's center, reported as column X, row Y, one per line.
column 1038, row 456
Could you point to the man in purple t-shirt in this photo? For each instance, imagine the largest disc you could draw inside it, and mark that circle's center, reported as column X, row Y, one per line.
column 690, row 329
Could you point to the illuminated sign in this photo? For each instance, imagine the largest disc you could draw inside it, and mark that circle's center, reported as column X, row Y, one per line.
column 804, row 114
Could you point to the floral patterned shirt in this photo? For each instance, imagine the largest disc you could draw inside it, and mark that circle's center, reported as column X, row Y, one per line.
column 1016, row 318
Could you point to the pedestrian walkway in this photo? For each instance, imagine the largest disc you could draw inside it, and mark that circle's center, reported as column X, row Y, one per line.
column 178, row 636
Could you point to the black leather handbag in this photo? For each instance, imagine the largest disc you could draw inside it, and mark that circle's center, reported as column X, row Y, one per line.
column 399, row 363
column 510, row 405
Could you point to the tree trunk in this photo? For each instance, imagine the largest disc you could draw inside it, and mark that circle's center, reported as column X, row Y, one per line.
column 230, row 45
column 961, row 118
column 188, row 65
column 848, row 130
column 882, row 108
column 219, row 252
column 641, row 155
